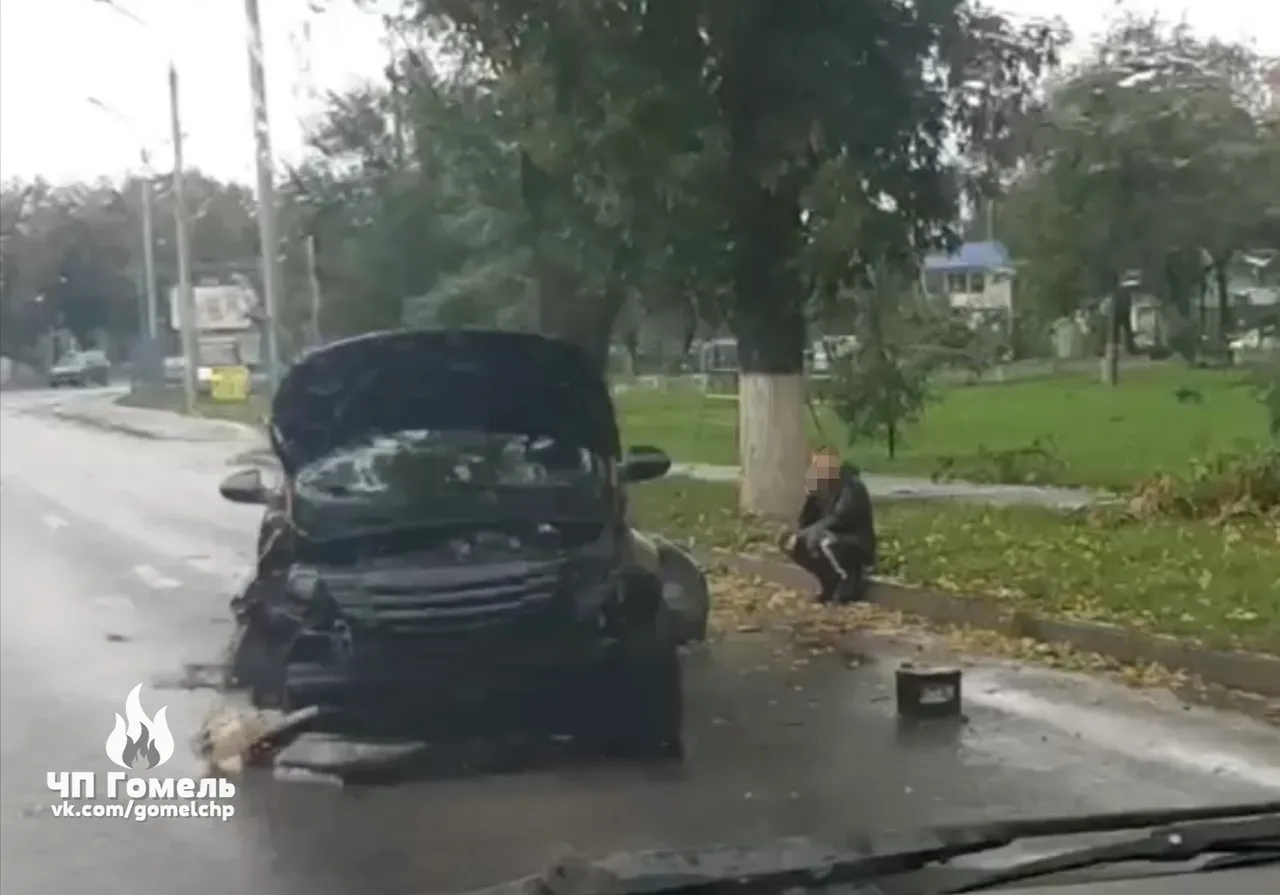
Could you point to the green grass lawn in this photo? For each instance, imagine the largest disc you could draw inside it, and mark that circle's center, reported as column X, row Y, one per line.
column 1105, row 437
column 1214, row 583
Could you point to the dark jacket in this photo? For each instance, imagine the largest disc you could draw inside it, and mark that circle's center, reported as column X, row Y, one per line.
column 843, row 508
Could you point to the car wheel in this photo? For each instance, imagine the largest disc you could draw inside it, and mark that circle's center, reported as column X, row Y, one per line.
column 643, row 715
column 255, row 661
column 247, row 657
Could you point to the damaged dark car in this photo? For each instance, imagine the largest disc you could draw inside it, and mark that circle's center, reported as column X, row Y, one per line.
column 447, row 549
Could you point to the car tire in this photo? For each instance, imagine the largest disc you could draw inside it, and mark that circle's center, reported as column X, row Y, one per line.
column 249, row 662
column 643, row 711
column 255, row 661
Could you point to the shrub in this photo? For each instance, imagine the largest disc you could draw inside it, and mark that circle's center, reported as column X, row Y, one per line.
column 1037, row 463
column 1219, row 488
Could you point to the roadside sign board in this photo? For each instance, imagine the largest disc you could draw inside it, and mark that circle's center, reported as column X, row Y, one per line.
column 229, row 383
column 218, row 308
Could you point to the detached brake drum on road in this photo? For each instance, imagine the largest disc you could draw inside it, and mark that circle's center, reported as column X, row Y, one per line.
column 926, row 693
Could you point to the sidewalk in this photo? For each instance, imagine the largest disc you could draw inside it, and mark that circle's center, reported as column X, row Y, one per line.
column 141, row 422
column 908, row 488
column 161, row 424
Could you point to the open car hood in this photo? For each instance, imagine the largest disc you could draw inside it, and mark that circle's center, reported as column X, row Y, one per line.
column 488, row 381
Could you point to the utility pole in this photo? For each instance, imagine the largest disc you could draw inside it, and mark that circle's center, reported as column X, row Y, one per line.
column 313, row 280
column 267, row 231
column 149, row 250
column 394, row 78
column 186, row 296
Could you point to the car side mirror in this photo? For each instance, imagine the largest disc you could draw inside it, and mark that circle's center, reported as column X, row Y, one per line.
column 245, row 486
column 643, row 464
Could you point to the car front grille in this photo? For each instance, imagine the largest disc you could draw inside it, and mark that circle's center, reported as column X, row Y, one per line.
column 497, row 600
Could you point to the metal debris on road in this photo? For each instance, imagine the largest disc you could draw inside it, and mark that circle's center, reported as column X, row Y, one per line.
column 232, row 739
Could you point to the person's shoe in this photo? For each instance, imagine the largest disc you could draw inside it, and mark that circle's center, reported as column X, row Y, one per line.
column 851, row 590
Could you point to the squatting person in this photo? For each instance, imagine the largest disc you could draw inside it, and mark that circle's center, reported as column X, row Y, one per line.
column 835, row 537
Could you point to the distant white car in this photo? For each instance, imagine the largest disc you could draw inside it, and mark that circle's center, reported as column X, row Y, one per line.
column 1254, row 340
column 81, row 368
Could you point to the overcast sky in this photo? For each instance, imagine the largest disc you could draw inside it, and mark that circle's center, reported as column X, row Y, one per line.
column 57, row 54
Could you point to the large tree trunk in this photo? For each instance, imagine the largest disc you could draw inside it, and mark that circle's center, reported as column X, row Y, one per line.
column 770, row 327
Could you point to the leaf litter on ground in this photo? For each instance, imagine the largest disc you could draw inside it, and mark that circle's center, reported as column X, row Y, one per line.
column 1198, row 580
column 747, row 604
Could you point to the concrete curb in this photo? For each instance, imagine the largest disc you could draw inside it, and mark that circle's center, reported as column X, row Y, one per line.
column 216, row 430
column 97, row 422
column 1255, row 673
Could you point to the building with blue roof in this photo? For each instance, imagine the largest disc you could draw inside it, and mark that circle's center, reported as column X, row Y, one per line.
column 977, row 277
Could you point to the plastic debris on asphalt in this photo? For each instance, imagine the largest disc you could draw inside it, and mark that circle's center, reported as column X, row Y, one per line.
column 232, row 739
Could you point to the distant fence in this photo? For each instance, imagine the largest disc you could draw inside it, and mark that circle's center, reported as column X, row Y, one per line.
column 726, row 382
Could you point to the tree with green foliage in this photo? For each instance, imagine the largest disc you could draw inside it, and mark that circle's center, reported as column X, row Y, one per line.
column 881, row 384
column 1154, row 155
column 78, row 249
column 754, row 154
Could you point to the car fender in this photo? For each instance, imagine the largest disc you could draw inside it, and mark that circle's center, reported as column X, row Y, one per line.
column 645, row 553
column 684, row 584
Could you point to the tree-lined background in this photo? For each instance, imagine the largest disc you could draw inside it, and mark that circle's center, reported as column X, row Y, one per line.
column 632, row 174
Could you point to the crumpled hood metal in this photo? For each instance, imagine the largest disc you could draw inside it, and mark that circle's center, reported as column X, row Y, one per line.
column 477, row 380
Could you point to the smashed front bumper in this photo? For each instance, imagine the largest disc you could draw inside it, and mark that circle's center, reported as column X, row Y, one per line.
column 470, row 646
column 470, row 685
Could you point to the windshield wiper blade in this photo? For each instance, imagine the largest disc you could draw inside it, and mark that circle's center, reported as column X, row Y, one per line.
column 807, row 863
column 779, row 866
column 1254, row 838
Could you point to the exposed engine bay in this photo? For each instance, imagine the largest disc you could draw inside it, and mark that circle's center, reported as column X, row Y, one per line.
column 452, row 544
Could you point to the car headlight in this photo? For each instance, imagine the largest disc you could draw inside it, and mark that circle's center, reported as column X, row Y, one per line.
column 592, row 594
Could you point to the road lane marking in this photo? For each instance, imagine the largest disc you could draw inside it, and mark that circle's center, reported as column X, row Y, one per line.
column 53, row 522
column 205, row 566
column 153, row 578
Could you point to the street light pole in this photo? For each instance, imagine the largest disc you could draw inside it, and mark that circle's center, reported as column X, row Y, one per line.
column 267, row 230
column 149, row 250
column 186, row 296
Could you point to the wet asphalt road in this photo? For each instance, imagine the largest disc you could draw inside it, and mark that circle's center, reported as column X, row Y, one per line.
column 118, row 557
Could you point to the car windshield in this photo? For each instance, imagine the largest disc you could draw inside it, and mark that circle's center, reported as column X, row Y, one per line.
column 425, row 476
column 424, row 462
